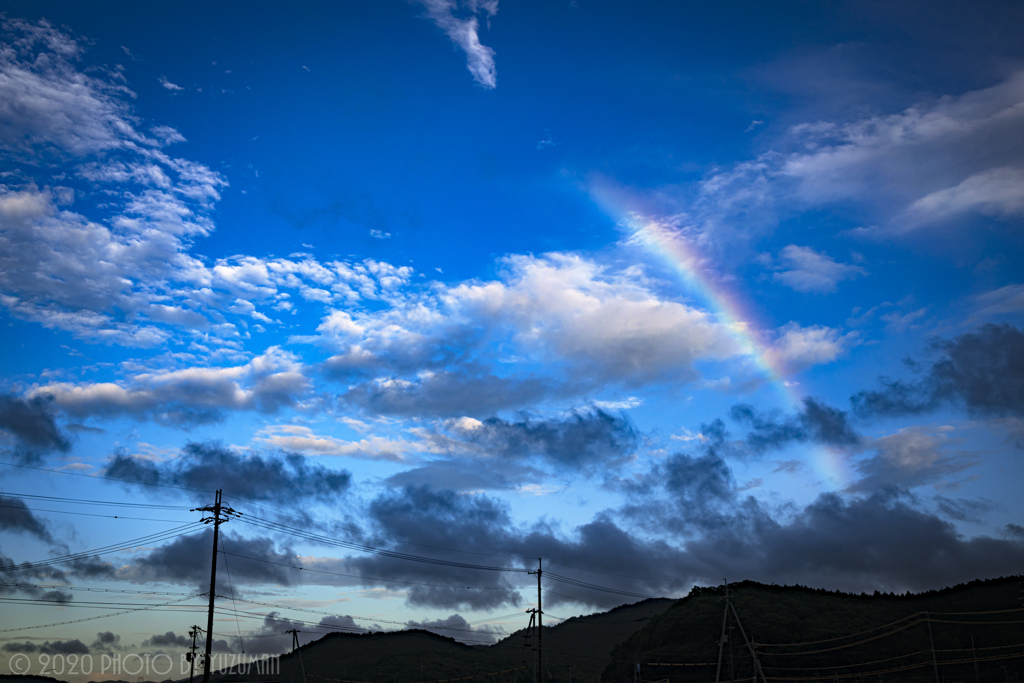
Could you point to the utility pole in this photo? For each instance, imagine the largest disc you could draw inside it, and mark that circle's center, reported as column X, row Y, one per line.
column 217, row 509
column 732, row 663
column 935, row 664
column 191, row 656
column 974, row 655
column 295, row 649
column 540, row 624
column 722, row 638
column 753, row 654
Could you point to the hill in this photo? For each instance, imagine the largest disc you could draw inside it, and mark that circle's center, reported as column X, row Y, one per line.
column 816, row 635
column 577, row 648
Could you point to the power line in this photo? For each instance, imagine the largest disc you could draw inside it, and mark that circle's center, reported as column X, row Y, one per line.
column 365, row 578
column 100, row 476
column 353, row 527
column 88, row 588
column 105, row 550
column 83, row 501
column 100, row 616
column 595, row 587
column 351, row 616
column 331, row 628
column 89, row 514
column 350, row 545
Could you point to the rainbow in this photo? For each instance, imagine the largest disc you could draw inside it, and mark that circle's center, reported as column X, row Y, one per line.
column 663, row 238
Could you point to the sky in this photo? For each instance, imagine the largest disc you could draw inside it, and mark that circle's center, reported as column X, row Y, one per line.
column 662, row 293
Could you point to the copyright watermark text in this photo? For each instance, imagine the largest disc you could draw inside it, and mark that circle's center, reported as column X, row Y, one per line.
column 150, row 666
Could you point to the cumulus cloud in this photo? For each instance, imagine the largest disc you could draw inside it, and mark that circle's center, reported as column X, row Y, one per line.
column 437, row 353
column 121, row 270
column 189, row 396
column 181, row 562
column 981, row 370
column 807, row 270
column 578, row 441
column 30, row 428
column 459, row 19
column 301, row 439
column 796, row 347
column 207, row 466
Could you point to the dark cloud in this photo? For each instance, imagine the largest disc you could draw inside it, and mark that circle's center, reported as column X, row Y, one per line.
column 417, row 516
column 578, row 441
column 910, row 457
column 455, row 626
column 15, row 516
column 15, row 579
column 965, row 510
column 882, row 541
column 49, row 647
column 285, row 478
column 186, row 560
column 981, row 370
column 817, row 422
column 446, row 394
column 272, row 637
column 31, row 425
column 170, row 640
column 107, row 640
column 467, row 474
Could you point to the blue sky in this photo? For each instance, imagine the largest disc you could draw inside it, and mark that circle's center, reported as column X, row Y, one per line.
column 661, row 292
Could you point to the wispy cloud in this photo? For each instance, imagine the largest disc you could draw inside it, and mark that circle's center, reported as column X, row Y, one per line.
column 459, row 21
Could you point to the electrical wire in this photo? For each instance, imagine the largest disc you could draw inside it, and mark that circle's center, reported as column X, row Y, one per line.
column 105, row 550
column 351, row 616
column 360, row 547
column 366, row 578
column 84, row 501
column 592, row 586
column 101, row 616
column 90, row 514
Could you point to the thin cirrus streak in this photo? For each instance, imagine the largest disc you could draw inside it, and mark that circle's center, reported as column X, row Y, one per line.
column 663, row 240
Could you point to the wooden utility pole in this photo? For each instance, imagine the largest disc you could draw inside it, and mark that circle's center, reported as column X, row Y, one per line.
column 218, row 510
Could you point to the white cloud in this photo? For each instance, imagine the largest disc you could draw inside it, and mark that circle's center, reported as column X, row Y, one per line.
column 601, row 324
column 997, row 192
column 807, row 270
column 188, row 396
column 1008, row 299
column 946, row 158
column 167, row 84
column 799, row 347
column 464, row 31
column 124, row 274
column 300, row 439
